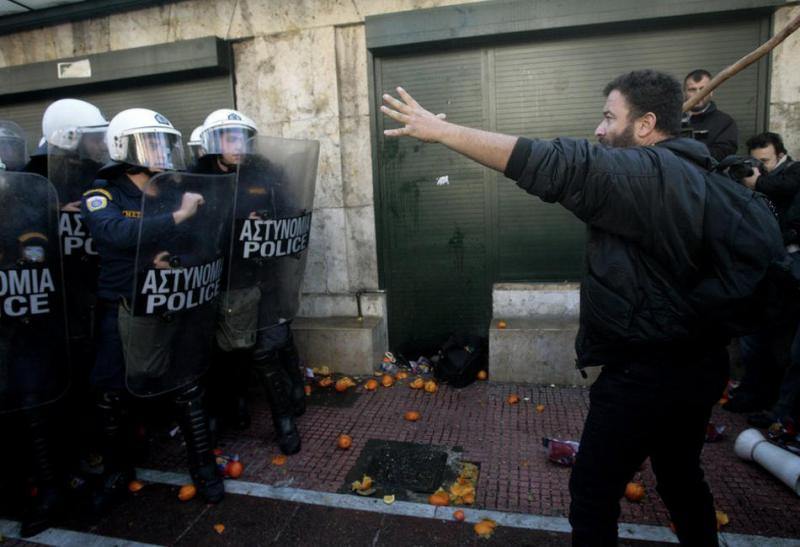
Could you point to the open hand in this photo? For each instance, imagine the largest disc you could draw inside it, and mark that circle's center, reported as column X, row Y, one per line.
column 419, row 123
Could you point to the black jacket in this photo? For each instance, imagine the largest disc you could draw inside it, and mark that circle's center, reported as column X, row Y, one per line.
column 649, row 231
column 716, row 130
column 782, row 187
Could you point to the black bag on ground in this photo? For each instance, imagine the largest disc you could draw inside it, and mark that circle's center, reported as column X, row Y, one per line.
column 461, row 358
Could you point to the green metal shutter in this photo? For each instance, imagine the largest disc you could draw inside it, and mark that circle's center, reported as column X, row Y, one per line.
column 185, row 103
column 442, row 247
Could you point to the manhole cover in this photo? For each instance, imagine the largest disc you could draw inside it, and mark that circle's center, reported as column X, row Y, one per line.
column 407, row 470
column 329, row 397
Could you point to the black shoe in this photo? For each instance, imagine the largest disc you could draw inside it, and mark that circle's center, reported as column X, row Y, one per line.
column 762, row 420
column 113, row 488
column 42, row 513
column 209, row 483
column 288, row 436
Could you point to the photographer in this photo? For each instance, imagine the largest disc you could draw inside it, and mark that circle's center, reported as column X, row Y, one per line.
column 772, row 359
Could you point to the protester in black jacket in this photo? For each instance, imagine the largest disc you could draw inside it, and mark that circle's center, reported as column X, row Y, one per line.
column 642, row 193
column 711, row 126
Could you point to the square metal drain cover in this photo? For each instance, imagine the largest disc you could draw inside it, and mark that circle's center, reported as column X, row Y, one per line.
column 329, row 397
column 410, row 471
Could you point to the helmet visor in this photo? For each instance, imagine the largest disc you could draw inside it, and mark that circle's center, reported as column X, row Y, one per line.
column 228, row 141
column 196, row 151
column 154, row 150
column 93, row 144
column 12, row 152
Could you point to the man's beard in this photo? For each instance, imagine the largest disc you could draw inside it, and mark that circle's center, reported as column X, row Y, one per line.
column 623, row 140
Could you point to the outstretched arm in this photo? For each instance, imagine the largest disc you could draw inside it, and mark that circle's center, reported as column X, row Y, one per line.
column 490, row 149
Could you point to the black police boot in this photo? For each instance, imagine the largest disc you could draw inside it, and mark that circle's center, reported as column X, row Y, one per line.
column 290, row 361
column 199, row 452
column 239, row 411
column 116, row 451
column 49, row 498
column 277, row 385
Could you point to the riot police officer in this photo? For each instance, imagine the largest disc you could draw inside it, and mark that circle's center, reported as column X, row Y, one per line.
column 74, row 134
column 195, row 146
column 141, row 144
column 33, row 367
column 253, row 331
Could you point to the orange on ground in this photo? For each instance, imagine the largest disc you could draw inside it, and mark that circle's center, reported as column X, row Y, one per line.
column 412, row 416
column 135, row 486
column 440, row 498
column 279, row 459
column 344, row 441
column 634, row 491
column 431, row 386
column 459, row 515
column 539, row 408
column 482, row 375
column 219, row 528
column 417, row 383
column 485, row 528
column 512, row 399
column 371, row 384
column 187, row 492
column 234, row 469
column 387, row 380
column 343, row 383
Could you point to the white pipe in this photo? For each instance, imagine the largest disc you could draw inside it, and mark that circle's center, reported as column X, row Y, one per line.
column 752, row 446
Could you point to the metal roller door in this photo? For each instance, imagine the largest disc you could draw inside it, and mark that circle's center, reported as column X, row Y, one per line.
column 185, row 103
column 442, row 246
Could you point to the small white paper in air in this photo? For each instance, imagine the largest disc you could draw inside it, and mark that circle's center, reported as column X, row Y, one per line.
column 441, row 181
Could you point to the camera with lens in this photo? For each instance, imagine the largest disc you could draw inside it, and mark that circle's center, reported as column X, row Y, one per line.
column 740, row 167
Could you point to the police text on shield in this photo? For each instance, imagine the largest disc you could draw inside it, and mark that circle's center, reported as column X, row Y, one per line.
column 274, row 238
column 173, row 290
column 25, row 292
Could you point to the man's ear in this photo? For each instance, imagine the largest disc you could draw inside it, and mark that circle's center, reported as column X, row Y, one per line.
column 645, row 125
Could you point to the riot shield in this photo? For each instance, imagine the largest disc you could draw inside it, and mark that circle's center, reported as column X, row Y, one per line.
column 167, row 329
column 34, row 359
column 271, row 228
column 72, row 172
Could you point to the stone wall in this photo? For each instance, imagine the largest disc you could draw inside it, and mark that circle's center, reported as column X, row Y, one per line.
column 784, row 104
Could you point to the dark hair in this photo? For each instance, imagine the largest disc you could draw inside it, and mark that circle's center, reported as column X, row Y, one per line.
column 696, row 75
column 762, row 140
column 651, row 91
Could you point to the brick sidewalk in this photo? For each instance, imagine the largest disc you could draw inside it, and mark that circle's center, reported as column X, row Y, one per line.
column 503, row 440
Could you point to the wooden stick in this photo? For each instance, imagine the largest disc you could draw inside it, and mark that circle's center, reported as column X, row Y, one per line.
column 744, row 62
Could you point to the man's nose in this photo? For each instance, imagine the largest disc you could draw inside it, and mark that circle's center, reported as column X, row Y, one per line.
column 600, row 131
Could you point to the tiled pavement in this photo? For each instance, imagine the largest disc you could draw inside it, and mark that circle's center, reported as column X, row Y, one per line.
column 504, row 440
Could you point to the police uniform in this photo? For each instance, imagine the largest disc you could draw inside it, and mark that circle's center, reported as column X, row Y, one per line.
column 113, row 212
column 269, row 349
column 33, row 367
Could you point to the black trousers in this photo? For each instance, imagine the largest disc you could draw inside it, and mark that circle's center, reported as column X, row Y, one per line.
column 648, row 407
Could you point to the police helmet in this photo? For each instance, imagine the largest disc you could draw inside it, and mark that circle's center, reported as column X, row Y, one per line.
column 144, row 138
column 67, row 121
column 13, row 150
column 220, row 125
column 195, row 144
